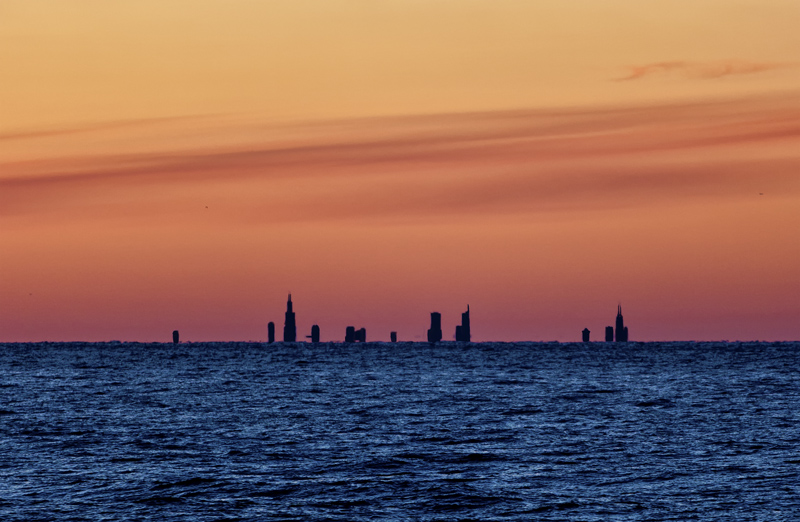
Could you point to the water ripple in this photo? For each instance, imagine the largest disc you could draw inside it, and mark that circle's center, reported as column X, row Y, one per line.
column 227, row 431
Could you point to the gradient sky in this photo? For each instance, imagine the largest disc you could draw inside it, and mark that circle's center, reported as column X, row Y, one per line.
column 185, row 164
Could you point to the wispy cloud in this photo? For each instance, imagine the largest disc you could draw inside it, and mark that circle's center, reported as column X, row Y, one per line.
column 469, row 165
column 92, row 127
column 700, row 70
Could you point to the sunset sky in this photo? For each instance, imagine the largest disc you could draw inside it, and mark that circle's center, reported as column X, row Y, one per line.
column 185, row 165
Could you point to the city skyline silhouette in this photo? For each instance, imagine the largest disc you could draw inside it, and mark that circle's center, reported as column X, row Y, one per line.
column 463, row 331
column 179, row 176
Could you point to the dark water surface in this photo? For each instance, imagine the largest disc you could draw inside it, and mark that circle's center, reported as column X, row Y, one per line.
column 523, row 431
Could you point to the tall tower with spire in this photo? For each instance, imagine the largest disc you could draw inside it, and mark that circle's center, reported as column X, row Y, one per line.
column 621, row 330
column 289, row 326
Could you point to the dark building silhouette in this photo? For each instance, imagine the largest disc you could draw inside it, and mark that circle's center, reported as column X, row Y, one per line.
column 351, row 335
column 435, row 331
column 621, row 330
column 289, row 326
column 314, row 334
column 175, row 337
column 586, row 333
column 393, row 337
column 271, row 332
column 609, row 334
column 463, row 333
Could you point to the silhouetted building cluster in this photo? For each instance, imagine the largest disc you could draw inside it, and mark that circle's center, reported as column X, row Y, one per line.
column 463, row 333
column 618, row 333
column 351, row 335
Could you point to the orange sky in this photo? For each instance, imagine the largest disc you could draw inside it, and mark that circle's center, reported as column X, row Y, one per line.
column 184, row 165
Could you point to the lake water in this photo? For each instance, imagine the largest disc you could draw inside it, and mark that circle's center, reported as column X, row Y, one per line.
column 526, row 431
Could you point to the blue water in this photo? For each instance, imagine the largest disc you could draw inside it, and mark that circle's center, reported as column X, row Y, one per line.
column 237, row 431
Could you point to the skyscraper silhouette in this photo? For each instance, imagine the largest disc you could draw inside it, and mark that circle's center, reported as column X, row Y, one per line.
column 463, row 333
column 289, row 326
column 271, row 332
column 314, row 334
column 609, row 334
column 586, row 333
column 175, row 337
column 435, row 331
column 393, row 337
column 621, row 330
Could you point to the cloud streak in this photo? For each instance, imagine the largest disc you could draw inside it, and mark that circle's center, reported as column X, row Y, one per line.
column 93, row 127
column 463, row 166
column 700, row 70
